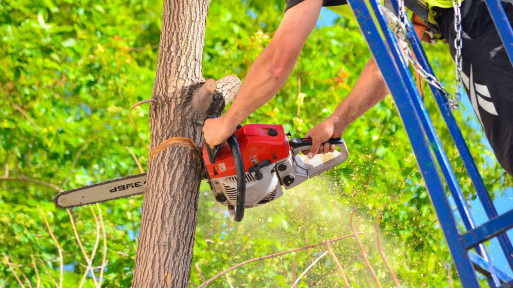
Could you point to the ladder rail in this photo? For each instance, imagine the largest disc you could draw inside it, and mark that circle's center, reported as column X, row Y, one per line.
column 502, row 25
column 461, row 145
column 429, row 130
column 418, row 140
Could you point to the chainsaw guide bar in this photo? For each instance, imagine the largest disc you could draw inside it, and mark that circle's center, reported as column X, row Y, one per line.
column 101, row 192
column 247, row 171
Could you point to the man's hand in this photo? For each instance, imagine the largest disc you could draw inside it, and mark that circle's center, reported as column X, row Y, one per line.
column 321, row 133
column 217, row 130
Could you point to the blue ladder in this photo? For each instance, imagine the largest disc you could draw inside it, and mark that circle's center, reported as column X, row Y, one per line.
column 427, row 146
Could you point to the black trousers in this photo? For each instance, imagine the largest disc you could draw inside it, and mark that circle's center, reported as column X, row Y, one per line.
column 488, row 73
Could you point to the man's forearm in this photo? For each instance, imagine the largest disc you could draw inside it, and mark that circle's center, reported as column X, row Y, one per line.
column 263, row 81
column 368, row 91
column 273, row 66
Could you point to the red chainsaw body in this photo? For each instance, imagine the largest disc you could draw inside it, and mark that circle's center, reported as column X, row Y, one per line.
column 257, row 143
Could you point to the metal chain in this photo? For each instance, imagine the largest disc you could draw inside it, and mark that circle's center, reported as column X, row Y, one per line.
column 458, row 45
column 398, row 26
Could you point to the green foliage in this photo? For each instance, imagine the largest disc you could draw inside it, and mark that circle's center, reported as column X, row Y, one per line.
column 72, row 69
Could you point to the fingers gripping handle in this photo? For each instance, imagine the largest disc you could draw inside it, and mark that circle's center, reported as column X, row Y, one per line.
column 302, row 144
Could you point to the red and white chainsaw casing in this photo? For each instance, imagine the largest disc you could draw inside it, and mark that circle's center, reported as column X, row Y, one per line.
column 261, row 147
column 269, row 163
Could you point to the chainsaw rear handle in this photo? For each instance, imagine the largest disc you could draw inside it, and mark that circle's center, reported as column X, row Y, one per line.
column 241, row 178
column 302, row 144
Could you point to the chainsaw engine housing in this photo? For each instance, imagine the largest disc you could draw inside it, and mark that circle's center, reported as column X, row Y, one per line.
column 261, row 147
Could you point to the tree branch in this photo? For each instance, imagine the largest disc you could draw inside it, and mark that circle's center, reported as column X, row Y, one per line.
column 332, row 254
column 28, row 180
column 362, row 251
column 202, row 98
column 47, row 272
column 196, row 266
column 228, row 86
column 142, row 102
column 276, row 255
column 374, row 158
column 61, row 264
column 449, row 275
column 88, row 261
column 13, row 271
column 93, row 253
column 135, row 158
column 382, row 252
column 26, row 279
column 73, row 164
column 104, row 259
column 309, row 267
column 35, row 269
column 24, row 113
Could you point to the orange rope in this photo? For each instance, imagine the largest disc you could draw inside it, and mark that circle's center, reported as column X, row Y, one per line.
column 181, row 141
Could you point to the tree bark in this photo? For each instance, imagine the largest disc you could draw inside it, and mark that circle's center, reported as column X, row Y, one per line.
column 169, row 213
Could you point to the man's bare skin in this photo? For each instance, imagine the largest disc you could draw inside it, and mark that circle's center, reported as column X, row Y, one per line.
column 270, row 71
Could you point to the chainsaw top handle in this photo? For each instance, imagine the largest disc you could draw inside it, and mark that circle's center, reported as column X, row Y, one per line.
column 241, row 178
column 301, row 144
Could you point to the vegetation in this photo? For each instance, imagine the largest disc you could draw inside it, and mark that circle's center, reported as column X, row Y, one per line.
column 71, row 71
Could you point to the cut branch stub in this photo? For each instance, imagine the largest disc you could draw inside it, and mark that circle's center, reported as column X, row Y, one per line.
column 202, row 98
column 228, row 86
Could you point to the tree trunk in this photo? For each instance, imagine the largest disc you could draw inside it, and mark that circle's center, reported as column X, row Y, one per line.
column 169, row 213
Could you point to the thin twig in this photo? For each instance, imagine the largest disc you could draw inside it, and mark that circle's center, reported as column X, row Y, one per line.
column 104, row 234
column 132, row 121
column 47, row 272
column 309, row 267
column 135, row 158
column 362, row 251
column 142, row 102
column 373, row 162
column 276, row 255
column 328, row 245
column 61, row 263
column 6, row 165
column 25, row 277
column 28, row 180
column 382, row 252
column 13, row 271
column 24, row 113
column 88, row 261
column 93, row 253
column 228, row 278
column 294, row 269
column 35, row 269
column 449, row 276
column 29, row 154
column 498, row 178
column 73, row 164
column 196, row 266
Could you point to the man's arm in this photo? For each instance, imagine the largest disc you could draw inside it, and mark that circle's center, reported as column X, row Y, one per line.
column 368, row 91
column 269, row 71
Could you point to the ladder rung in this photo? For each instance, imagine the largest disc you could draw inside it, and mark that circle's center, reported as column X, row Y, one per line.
column 483, row 267
column 507, row 285
column 488, row 230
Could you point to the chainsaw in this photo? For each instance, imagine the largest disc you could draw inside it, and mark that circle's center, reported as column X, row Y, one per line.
column 246, row 171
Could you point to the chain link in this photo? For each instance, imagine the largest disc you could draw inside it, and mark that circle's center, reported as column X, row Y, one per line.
column 398, row 26
column 458, row 45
